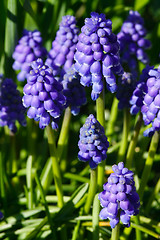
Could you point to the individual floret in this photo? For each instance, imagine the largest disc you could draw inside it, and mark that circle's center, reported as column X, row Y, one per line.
column 73, row 91
column 11, row 107
column 93, row 143
column 43, row 95
column 97, row 54
column 119, row 199
column 61, row 56
column 29, row 48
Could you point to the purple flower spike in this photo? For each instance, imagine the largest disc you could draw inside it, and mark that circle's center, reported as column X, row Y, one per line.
column 61, row 56
column 151, row 102
column 136, row 100
column 43, row 95
column 126, row 85
column 73, row 91
column 11, row 108
column 119, row 199
column 97, row 54
column 132, row 41
column 29, row 48
column 93, row 143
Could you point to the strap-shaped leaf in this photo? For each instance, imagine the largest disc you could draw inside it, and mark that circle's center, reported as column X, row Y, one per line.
column 27, row 7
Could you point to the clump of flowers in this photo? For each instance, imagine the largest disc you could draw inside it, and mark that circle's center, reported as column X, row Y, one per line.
column 29, row 48
column 61, row 56
column 11, row 107
column 93, row 143
column 73, row 91
column 126, row 85
column 133, row 42
column 43, row 95
column 119, row 199
column 97, row 54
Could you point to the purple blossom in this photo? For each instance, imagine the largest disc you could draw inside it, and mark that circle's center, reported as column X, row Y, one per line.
column 73, row 91
column 61, row 56
column 97, row 54
column 93, row 143
column 28, row 49
column 43, row 95
column 133, row 42
column 151, row 102
column 139, row 92
column 119, row 199
column 126, row 85
column 11, row 108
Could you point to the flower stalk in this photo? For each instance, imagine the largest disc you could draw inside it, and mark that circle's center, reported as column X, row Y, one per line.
column 55, row 165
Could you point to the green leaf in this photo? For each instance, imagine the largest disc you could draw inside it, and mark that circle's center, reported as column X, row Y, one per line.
column 139, row 4
column 68, row 208
column 27, row 7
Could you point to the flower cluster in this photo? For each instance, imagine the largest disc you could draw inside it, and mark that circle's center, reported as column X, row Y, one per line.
column 137, row 98
column 61, row 56
column 43, row 95
column 119, row 199
column 73, row 91
column 29, row 48
column 11, row 108
column 93, row 143
column 132, row 41
column 151, row 103
column 97, row 54
column 126, row 85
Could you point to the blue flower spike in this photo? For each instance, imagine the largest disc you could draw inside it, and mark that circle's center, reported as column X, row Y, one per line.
column 43, row 95
column 119, row 199
column 93, row 143
column 97, row 55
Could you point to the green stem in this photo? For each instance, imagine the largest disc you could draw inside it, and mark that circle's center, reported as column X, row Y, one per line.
column 112, row 118
column 95, row 217
column 29, row 181
column 124, row 141
column 2, row 184
column 132, row 145
column 92, row 190
column 115, row 232
column 64, row 132
column 152, row 197
column 100, row 107
column 55, row 165
column 148, row 164
column 10, row 36
column 138, row 232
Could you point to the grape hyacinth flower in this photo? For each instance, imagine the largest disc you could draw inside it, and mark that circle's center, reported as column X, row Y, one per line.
column 136, row 100
column 61, row 56
column 73, row 91
column 133, row 42
column 43, row 95
column 119, row 199
column 29, row 48
column 93, row 143
column 97, row 54
column 151, row 103
column 126, row 85
column 11, row 107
